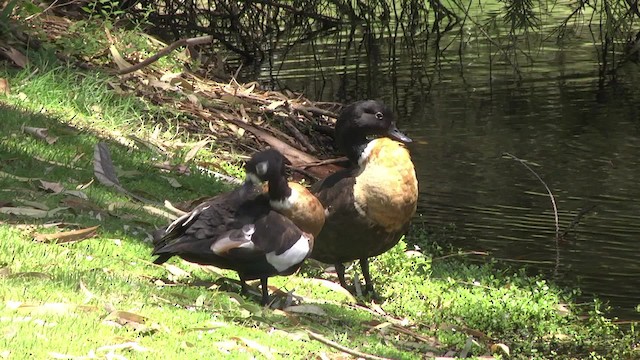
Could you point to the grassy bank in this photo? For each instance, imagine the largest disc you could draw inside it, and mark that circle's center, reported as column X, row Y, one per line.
column 100, row 295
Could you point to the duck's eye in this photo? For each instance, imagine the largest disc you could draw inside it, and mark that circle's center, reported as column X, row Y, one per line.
column 379, row 115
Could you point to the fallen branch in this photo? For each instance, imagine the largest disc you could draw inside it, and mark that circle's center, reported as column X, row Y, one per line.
column 299, row 136
column 343, row 348
column 164, row 52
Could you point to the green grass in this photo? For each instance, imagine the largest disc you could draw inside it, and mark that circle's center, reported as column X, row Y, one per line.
column 65, row 298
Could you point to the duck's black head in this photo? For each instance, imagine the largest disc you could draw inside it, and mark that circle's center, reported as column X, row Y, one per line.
column 266, row 165
column 361, row 120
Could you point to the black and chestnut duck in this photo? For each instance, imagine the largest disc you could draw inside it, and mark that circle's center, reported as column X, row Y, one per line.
column 242, row 230
column 369, row 205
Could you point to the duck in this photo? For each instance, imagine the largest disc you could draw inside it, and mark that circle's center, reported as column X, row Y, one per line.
column 368, row 205
column 242, row 231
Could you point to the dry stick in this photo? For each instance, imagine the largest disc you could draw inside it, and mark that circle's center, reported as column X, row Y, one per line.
column 299, row 136
column 182, row 42
column 553, row 203
column 342, row 348
column 315, row 110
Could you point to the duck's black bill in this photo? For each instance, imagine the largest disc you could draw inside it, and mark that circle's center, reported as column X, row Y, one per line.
column 396, row 134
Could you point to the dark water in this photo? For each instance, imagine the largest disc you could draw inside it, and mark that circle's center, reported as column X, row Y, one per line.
column 580, row 133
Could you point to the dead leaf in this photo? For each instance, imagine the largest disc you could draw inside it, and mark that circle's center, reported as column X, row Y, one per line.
column 194, row 100
column 76, row 193
column 88, row 295
column 306, row 309
column 46, row 308
column 84, row 186
column 4, row 87
column 5, row 271
column 194, row 150
column 79, row 204
column 53, row 187
column 30, row 212
column 170, row 77
column 173, row 182
column 276, row 104
column 335, row 287
column 14, row 55
column 131, row 345
column 128, row 318
column 264, row 350
column 117, row 58
column 68, row 236
column 161, row 85
column 13, row 177
column 500, row 348
column 103, row 167
column 35, row 204
column 40, row 133
column 176, row 271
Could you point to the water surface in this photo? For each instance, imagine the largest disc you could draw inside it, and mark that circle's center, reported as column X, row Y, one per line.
column 578, row 131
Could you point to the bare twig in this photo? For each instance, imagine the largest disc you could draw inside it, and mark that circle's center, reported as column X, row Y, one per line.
column 182, row 42
column 553, row 203
column 576, row 220
column 482, row 253
column 553, row 200
column 315, row 110
column 299, row 136
column 343, row 348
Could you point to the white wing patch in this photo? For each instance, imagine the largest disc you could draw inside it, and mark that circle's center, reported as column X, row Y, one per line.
column 293, row 256
column 235, row 239
column 189, row 218
column 286, row 203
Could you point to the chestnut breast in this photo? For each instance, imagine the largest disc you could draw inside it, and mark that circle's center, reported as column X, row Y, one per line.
column 302, row 208
column 386, row 189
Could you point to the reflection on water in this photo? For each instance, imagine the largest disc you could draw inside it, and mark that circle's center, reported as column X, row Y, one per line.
column 581, row 137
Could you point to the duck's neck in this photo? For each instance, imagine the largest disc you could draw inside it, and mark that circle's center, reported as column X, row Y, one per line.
column 279, row 189
column 354, row 147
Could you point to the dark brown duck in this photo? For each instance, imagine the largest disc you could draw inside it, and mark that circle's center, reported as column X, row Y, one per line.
column 368, row 206
column 240, row 230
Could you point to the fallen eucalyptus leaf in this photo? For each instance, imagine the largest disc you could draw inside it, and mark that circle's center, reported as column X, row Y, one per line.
column 334, row 287
column 131, row 345
column 194, row 150
column 117, row 58
column 19, row 178
column 35, row 204
column 53, row 187
column 128, row 318
column 103, row 167
column 306, row 309
column 176, row 271
column 88, row 295
column 173, row 182
column 30, row 212
column 40, row 133
column 76, row 193
column 105, row 172
column 500, row 348
column 14, row 55
column 68, row 236
column 264, row 350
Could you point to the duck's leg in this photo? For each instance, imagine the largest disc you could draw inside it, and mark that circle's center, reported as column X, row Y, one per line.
column 244, row 288
column 265, row 291
column 368, row 287
column 340, row 271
